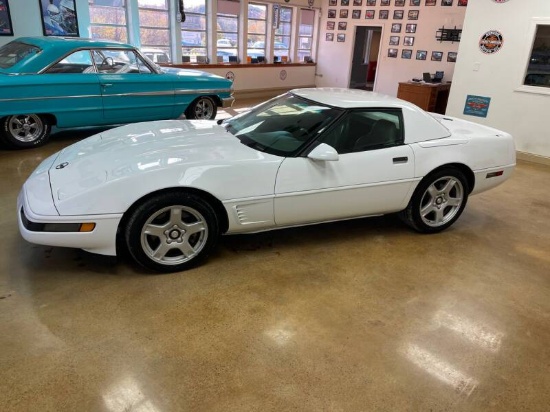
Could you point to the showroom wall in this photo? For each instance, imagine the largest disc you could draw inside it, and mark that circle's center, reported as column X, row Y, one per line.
column 26, row 20
column 334, row 57
column 519, row 110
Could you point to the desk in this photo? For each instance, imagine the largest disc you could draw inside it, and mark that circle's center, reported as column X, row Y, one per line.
column 428, row 96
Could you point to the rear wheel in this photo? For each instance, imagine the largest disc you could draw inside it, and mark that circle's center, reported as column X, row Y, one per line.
column 172, row 232
column 24, row 131
column 438, row 201
column 203, row 108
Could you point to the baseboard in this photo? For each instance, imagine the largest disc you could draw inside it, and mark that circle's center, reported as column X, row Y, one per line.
column 264, row 93
column 529, row 157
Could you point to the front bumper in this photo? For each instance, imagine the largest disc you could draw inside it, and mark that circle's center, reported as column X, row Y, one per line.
column 34, row 228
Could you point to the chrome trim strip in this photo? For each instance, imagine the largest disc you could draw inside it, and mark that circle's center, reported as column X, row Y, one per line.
column 202, row 91
column 160, row 93
column 228, row 101
column 50, row 98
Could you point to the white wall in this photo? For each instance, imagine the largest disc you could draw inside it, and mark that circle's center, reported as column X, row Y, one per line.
column 26, row 20
column 524, row 115
column 334, row 58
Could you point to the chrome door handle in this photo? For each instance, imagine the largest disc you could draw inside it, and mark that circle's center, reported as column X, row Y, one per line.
column 105, row 85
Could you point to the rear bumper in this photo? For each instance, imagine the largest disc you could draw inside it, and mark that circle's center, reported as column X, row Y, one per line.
column 227, row 101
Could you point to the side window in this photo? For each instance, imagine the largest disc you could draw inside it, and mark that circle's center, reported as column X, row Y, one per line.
column 362, row 130
column 110, row 61
column 77, row 62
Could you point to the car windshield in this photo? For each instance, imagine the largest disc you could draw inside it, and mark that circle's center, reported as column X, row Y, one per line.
column 282, row 126
column 14, row 52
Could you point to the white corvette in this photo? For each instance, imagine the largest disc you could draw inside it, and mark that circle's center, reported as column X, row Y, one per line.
column 166, row 190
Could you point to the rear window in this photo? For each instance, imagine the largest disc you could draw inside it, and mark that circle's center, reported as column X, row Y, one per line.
column 15, row 52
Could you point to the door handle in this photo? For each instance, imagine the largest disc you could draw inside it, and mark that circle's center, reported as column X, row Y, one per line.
column 398, row 160
column 105, row 85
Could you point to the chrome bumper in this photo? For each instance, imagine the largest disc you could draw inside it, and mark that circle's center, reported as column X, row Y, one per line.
column 228, row 101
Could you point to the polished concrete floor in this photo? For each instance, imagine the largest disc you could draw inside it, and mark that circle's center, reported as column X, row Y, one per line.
column 362, row 315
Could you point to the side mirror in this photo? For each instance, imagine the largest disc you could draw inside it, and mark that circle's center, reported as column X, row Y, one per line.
column 323, row 152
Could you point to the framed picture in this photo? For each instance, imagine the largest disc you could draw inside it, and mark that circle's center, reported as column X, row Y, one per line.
column 369, row 14
column 331, row 14
column 408, row 41
column 394, row 40
column 396, row 28
column 383, row 14
column 344, row 13
column 415, row 3
column 392, row 53
column 430, row 2
column 462, row 3
column 371, row 3
column 332, row 2
column 329, row 37
column 344, row 2
column 406, row 53
column 437, row 56
column 399, row 3
column 356, row 14
column 384, row 2
column 421, row 54
column 446, row 2
column 330, row 25
column 398, row 14
column 357, row 3
column 341, row 37
column 59, row 18
column 413, row 15
column 6, row 27
column 410, row 28
column 342, row 25
column 451, row 57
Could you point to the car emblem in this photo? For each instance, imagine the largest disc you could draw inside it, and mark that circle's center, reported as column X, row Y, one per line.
column 62, row 165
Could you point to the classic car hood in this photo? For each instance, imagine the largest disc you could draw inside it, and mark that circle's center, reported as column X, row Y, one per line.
column 141, row 148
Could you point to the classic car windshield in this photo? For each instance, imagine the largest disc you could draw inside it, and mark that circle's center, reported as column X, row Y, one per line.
column 14, row 52
column 282, row 126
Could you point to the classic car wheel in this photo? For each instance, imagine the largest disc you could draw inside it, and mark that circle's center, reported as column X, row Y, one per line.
column 172, row 232
column 438, row 201
column 203, row 108
column 25, row 130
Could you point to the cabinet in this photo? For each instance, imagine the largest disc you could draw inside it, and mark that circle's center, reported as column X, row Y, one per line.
column 427, row 96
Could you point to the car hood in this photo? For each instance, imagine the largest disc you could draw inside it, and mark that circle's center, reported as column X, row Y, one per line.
column 167, row 148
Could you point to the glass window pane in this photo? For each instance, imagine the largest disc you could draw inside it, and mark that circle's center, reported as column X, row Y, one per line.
column 195, row 6
column 154, row 37
column 286, row 14
column 228, row 24
column 117, row 33
column 284, row 29
column 256, row 27
column 151, row 18
column 538, row 70
column 257, row 11
column 107, row 15
column 153, row 4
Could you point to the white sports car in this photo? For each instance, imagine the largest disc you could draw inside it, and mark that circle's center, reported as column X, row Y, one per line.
column 166, row 190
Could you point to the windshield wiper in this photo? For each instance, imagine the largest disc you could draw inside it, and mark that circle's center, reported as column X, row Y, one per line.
column 247, row 141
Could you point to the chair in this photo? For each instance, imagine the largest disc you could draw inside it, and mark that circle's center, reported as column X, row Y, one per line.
column 383, row 134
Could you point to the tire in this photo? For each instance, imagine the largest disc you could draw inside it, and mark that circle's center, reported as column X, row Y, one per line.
column 203, row 108
column 171, row 232
column 24, row 131
column 438, row 201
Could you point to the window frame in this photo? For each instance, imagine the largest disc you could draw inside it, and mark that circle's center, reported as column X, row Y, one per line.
column 531, row 34
column 167, row 48
column 207, row 24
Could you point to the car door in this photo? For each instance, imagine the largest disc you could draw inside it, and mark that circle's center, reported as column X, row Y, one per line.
column 373, row 174
column 132, row 90
column 69, row 89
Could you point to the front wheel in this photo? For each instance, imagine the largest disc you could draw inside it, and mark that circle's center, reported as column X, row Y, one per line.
column 171, row 232
column 24, row 131
column 203, row 108
column 438, row 201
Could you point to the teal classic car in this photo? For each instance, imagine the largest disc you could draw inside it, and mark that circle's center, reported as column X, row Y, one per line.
column 74, row 82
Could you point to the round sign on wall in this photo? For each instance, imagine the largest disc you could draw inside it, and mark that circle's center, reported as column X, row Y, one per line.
column 230, row 76
column 282, row 75
column 491, row 42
